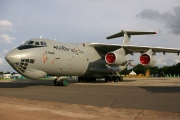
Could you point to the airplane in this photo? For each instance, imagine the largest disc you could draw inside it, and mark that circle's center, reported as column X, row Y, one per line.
column 40, row 57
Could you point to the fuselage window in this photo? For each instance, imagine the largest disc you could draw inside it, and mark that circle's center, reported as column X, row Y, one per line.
column 36, row 43
column 43, row 43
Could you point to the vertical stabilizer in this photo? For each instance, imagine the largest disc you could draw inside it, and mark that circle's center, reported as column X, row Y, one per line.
column 127, row 37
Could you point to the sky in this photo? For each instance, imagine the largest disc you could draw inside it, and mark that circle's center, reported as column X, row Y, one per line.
column 76, row 21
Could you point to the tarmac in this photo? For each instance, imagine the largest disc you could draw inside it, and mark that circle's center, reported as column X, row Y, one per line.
column 134, row 98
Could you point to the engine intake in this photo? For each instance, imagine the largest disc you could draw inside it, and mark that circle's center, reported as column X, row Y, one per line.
column 113, row 58
column 147, row 60
column 110, row 58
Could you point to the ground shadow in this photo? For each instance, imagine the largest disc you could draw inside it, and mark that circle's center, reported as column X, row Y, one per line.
column 21, row 83
column 162, row 89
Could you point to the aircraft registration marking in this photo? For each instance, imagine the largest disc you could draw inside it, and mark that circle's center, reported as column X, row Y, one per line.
column 48, row 52
column 74, row 50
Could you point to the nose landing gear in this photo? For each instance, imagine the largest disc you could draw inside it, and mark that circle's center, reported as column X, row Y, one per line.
column 60, row 82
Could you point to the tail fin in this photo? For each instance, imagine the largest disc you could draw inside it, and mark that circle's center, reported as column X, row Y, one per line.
column 127, row 35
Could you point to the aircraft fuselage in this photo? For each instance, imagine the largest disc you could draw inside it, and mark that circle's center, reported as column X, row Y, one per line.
column 56, row 58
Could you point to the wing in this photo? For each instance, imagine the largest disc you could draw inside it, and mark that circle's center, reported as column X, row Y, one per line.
column 105, row 48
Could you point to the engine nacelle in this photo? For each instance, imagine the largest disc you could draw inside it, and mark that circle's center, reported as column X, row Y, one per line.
column 147, row 60
column 116, row 59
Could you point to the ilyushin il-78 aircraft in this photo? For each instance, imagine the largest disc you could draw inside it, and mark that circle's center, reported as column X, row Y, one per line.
column 40, row 57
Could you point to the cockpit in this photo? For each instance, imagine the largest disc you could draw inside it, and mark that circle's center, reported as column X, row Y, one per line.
column 32, row 44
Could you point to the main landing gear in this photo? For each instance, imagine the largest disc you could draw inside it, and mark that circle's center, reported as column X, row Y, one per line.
column 113, row 78
column 60, row 82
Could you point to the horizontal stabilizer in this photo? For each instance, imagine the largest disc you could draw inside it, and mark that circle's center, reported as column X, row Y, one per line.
column 129, row 33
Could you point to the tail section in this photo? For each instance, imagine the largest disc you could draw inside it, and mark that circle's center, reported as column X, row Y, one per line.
column 127, row 35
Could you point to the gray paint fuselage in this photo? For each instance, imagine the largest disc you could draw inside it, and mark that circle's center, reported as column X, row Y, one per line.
column 62, row 59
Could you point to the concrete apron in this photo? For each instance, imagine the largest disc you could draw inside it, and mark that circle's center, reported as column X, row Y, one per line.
column 20, row 109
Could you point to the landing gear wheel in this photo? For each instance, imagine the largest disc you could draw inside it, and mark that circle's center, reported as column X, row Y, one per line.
column 113, row 78
column 80, row 79
column 106, row 79
column 116, row 79
column 64, row 82
column 55, row 82
column 84, row 79
column 121, row 78
column 94, row 79
column 59, row 82
column 109, row 78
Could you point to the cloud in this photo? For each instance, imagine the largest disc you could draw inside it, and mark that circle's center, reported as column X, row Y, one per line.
column 177, row 61
column 170, row 19
column 6, row 38
column 5, row 51
column 5, row 25
column 166, row 60
column 161, row 62
column 149, row 14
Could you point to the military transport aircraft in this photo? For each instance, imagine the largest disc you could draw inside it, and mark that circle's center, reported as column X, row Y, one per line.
column 39, row 57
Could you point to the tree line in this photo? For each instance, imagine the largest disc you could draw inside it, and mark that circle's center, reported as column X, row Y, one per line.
column 165, row 70
column 1, row 72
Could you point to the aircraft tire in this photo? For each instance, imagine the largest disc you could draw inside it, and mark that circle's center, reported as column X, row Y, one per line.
column 59, row 83
column 84, row 79
column 121, row 78
column 64, row 82
column 109, row 78
column 113, row 79
column 116, row 79
column 80, row 79
column 94, row 79
column 106, row 79
column 55, row 82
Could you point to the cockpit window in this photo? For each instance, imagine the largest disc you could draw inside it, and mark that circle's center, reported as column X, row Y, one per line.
column 32, row 44
column 26, row 43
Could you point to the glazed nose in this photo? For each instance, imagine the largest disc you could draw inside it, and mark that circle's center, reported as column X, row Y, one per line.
column 13, row 56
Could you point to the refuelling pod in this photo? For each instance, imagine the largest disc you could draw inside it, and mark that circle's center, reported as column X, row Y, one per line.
column 116, row 58
column 147, row 60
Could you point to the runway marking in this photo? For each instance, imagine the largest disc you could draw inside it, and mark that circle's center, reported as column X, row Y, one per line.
column 112, row 103
column 138, row 114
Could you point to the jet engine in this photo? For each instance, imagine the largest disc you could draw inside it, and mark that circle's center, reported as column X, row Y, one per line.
column 117, row 57
column 147, row 60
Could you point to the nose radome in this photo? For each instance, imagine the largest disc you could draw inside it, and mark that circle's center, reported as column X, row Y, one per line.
column 13, row 56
